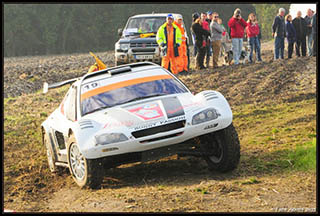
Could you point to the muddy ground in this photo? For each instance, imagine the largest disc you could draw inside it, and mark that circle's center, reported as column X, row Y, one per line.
column 169, row 184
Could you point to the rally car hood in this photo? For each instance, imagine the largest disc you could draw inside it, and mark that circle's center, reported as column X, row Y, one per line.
column 133, row 115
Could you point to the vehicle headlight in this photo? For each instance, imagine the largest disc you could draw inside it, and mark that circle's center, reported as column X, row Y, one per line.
column 110, row 138
column 204, row 116
column 124, row 46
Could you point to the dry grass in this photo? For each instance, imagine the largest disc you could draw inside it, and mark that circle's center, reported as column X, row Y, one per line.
column 274, row 107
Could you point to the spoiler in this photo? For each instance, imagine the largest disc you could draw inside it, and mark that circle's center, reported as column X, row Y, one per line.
column 46, row 86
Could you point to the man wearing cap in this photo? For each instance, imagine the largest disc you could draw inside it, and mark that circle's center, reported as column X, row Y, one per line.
column 209, row 17
column 237, row 25
column 169, row 39
column 183, row 58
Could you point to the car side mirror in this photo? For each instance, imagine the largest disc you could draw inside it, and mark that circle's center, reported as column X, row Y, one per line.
column 120, row 32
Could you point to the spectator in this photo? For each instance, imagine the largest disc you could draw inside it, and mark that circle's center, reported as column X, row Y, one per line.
column 194, row 40
column 278, row 31
column 200, row 33
column 300, row 26
column 259, row 35
column 314, row 35
column 183, row 58
column 194, row 44
column 290, row 34
column 308, row 18
column 216, row 36
column 252, row 31
column 225, row 38
column 237, row 25
column 169, row 38
column 205, row 26
column 209, row 20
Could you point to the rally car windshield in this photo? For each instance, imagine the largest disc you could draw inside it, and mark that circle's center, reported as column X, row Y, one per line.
column 144, row 25
column 130, row 93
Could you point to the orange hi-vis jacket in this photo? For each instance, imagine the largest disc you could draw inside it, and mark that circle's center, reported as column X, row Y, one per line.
column 170, row 36
column 183, row 58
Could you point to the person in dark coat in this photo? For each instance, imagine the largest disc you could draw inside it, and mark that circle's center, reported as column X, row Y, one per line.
column 200, row 34
column 300, row 26
column 290, row 34
column 278, row 32
column 314, row 35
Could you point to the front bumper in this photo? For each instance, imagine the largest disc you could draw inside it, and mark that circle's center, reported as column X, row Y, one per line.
column 158, row 140
column 138, row 54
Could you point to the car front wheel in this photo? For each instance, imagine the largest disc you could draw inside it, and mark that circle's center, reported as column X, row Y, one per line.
column 224, row 148
column 85, row 172
column 50, row 155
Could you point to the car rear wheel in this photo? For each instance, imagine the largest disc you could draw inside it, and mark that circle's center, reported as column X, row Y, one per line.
column 225, row 148
column 85, row 172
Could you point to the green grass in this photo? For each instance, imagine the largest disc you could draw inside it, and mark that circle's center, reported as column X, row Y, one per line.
column 276, row 137
column 304, row 156
column 252, row 180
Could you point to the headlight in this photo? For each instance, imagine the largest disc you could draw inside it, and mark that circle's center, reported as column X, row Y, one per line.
column 124, row 46
column 110, row 138
column 204, row 116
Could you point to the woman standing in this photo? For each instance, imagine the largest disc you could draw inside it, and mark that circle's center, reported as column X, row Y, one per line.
column 252, row 31
column 200, row 34
column 290, row 34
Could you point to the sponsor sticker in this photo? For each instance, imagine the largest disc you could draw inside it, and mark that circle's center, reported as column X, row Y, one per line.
column 162, row 122
column 148, row 111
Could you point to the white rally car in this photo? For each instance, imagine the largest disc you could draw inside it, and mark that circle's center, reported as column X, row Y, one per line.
column 136, row 112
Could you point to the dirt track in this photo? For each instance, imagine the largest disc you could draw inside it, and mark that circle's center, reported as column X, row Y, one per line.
column 172, row 184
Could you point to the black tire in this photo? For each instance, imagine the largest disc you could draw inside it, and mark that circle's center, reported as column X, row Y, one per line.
column 226, row 148
column 93, row 170
column 51, row 156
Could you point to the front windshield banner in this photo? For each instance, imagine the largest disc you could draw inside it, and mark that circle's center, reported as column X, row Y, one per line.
column 99, row 95
column 104, row 88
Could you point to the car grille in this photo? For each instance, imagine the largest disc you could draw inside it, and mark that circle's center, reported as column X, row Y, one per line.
column 159, row 129
column 135, row 50
column 143, row 45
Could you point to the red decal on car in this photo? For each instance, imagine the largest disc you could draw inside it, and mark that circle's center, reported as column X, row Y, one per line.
column 148, row 111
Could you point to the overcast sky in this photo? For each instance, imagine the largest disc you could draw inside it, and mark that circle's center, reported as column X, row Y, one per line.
column 302, row 7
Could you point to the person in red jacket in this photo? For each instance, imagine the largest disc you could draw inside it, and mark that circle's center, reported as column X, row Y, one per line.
column 253, row 31
column 206, row 26
column 237, row 25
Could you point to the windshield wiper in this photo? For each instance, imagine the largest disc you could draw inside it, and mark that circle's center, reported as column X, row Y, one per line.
column 140, row 98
